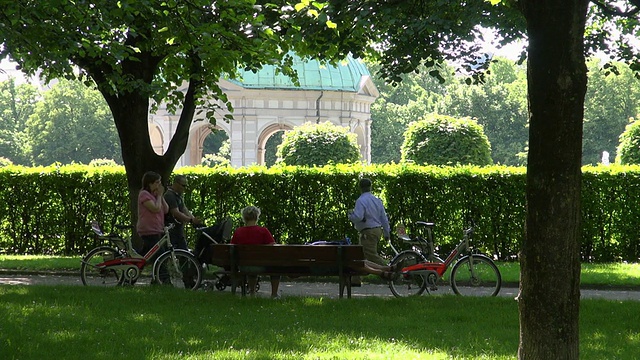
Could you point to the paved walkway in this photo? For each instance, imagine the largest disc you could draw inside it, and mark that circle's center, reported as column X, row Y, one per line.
column 317, row 289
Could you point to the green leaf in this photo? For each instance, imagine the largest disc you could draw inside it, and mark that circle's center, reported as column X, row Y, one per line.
column 319, row 5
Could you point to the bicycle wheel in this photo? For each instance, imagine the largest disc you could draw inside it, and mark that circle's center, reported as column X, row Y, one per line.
column 406, row 284
column 92, row 275
column 178, row 268
column 478, row 278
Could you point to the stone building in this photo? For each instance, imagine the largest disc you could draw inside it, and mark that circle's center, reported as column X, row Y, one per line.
column 266, row 102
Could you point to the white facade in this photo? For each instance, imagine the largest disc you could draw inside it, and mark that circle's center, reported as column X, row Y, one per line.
column 258, row 113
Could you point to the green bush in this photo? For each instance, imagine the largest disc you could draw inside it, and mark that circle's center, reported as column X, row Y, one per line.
column 47, row 210
column 318, row 144
column 628, row 151
column 213, row 160
column 445, row 140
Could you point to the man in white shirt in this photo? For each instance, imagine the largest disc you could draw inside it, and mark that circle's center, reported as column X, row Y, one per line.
column 370, row 219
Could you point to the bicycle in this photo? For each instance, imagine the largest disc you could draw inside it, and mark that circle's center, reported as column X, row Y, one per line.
column 472, row 274
column 122, row 265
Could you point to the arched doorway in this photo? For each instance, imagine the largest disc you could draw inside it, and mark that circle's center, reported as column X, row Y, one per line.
column 212, row 146
column 157, row 138
column 268, row 141
column 271, row 147
column 216, row 148
column 362, row 142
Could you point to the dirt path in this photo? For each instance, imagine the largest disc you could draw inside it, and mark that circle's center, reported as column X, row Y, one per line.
column 296, row 288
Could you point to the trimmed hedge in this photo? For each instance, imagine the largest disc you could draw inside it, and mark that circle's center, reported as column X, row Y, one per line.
column 47, row 210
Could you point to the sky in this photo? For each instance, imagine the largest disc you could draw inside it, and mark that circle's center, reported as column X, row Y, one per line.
column 8, row 69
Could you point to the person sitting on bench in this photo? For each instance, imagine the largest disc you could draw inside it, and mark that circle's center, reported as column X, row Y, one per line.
column 253, row 234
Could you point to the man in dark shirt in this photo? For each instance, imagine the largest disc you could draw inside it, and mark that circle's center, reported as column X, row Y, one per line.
column 178, row 214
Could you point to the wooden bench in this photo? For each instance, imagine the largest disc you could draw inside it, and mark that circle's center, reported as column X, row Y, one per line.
column 239, row 261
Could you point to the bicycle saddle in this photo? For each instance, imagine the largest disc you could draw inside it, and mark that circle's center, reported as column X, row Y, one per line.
column 424, row 223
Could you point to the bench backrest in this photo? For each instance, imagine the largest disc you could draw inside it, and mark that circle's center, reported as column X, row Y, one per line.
column 349, row 256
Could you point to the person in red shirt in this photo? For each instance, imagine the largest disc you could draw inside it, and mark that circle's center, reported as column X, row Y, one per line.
column 253, row 234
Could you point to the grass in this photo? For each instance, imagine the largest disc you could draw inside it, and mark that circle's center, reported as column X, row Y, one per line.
column 623, row 275
column 39, row 262
column 73, row 322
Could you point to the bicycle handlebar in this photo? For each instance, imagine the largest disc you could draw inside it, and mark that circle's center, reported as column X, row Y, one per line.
column 469, row 231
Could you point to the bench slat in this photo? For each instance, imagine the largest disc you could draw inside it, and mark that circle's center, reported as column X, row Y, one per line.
column 296, row 260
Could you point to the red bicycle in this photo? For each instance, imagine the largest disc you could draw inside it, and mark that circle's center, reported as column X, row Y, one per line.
column 472, row 274
column 121, row 265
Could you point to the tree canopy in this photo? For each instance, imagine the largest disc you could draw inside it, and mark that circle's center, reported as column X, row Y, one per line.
column 17, row 103
column 141, row 53
column 500, row 106
column 611, row 100
column 628, row 151
column 71, row 124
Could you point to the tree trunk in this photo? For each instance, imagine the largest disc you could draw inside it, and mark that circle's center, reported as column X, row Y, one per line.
column 549, row 299
column 131, row 114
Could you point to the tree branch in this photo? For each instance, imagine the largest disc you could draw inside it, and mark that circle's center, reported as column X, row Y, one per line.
column 178, row 143
column 616, row 11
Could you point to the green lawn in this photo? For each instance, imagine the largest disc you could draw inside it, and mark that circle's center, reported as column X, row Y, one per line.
column 72, row 322
column 39, row 262
column 146, row 322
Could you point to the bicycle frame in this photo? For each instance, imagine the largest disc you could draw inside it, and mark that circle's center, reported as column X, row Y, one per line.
column 129, row 263
column 472, row 273
column 428, row 268
column 418, row 244
column 122, row 244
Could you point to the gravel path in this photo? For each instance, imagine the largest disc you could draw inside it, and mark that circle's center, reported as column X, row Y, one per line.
column 297, row 288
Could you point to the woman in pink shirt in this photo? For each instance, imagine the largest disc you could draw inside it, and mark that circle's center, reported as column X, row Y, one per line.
column 151, row 210
column 253, row 234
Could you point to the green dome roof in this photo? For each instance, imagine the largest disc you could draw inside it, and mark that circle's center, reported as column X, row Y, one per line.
column 346, row 76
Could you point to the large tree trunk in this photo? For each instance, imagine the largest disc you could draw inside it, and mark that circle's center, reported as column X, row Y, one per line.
column 131, row 114
column 549, row 299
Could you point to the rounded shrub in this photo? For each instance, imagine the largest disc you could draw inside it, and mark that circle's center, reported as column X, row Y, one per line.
column 628, row 151
column 445, row 140
column 318, row 144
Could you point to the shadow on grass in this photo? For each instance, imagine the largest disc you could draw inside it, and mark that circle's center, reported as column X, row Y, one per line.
column 147, row 322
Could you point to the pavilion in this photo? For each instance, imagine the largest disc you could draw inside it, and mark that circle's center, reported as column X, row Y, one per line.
column 266, row 102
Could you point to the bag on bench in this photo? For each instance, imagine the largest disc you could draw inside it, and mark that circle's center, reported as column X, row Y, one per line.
column 346, row 241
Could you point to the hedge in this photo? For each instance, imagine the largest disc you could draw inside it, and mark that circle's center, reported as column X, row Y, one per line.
column 47, row 210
